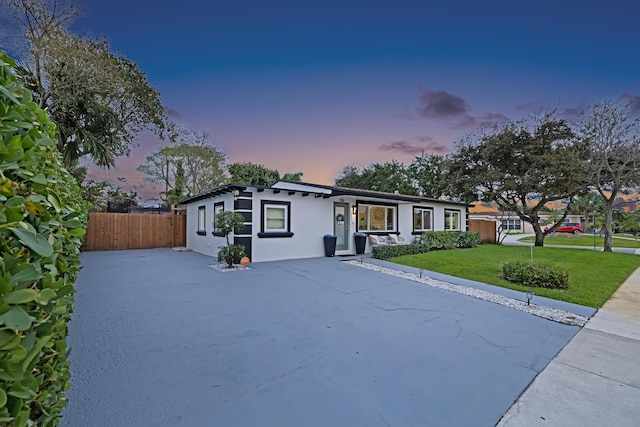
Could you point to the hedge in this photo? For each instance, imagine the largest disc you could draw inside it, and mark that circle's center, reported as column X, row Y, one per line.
column 536, row 275
column 42, row 222
column 386, row 252
column 450, row 239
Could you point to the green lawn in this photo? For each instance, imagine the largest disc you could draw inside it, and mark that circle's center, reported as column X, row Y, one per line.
column 593, row 276
column 585, row 240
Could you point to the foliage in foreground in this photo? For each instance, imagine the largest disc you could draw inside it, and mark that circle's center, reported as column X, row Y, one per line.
column 593, row 276
column 42, row 219
column 535, row 275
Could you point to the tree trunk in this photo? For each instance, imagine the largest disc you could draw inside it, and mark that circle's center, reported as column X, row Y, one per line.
column 608, row 224
column 539, row 233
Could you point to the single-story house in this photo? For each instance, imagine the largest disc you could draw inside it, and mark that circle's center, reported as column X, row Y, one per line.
column 289, row 219
column 511, row 223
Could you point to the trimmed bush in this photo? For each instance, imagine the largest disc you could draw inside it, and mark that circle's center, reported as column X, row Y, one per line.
column 231, row 254
column 42, row 221
column 450, row 239
column 536, row 275
column 386, row 252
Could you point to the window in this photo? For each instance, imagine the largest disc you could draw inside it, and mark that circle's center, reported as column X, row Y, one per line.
column 376, row 218
column 276, row 219
column 422, row 219
column 202, row 228
column 451, row 220
column 512, row 224
column 217, row 208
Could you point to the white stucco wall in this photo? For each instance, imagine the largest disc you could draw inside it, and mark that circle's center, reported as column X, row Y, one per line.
column 207, row 244
column 311, row 219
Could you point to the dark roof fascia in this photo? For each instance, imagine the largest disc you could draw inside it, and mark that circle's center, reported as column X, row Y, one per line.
column 390, row 196
column 228, row 188
column 335, row 191
column 344, row 191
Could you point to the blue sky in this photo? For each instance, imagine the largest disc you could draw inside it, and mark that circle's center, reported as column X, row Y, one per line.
column 315, row 86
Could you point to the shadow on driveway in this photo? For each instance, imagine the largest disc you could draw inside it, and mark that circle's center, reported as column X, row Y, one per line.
column 159, row 338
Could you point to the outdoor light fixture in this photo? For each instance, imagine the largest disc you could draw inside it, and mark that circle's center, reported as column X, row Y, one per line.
column 529, row 296
column 354, row 209
column 236, row 193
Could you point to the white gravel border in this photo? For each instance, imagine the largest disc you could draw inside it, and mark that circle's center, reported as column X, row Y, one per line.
column 548, row 313
column 223, row 267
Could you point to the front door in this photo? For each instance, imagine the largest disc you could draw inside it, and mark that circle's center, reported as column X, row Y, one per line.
column 341, row 222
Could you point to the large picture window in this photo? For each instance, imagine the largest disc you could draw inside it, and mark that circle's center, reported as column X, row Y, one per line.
column 422, row 219
column 451, row 220
column 202, row 216
column 376, row 218
column 217, row 208
column 276, row 219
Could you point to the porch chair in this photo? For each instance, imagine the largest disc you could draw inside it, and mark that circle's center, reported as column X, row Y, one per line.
column 375, row 240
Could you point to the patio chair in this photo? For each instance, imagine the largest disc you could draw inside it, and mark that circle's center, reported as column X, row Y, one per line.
column 395, row 239
column 375, row 240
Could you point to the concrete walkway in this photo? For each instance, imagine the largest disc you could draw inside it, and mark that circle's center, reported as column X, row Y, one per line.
column 513, row 240
column 595, row 379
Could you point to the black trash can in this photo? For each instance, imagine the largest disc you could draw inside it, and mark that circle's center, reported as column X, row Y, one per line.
column 330, row 245
column 361, row 242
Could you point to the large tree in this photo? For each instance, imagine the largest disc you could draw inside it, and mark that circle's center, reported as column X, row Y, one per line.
column 99, row 100
column 190, row 166
column 428, row 174
column 253, row 174
column 610, row 137
column 387, row 177
column 521, row 167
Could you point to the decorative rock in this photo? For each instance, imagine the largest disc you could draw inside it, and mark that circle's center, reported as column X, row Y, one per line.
column 549, row 313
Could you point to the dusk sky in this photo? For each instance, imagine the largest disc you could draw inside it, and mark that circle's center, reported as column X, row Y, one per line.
column 315, row 86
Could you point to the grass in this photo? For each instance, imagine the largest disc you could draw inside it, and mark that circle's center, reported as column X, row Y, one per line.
column 582, row 240
column 593, row 276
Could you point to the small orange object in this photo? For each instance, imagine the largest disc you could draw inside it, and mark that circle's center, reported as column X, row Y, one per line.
column 245, row 260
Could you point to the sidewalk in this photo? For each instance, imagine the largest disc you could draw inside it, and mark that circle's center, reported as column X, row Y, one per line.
column 595, row 379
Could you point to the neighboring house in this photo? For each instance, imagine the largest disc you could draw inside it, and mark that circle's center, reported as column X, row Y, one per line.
column 511, row 223
column 289, row 219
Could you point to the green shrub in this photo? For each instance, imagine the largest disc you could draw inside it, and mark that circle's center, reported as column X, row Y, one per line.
column 386, row 252
column 537, row 275
column 42, row 221
column 231, row 254
column 450, row 239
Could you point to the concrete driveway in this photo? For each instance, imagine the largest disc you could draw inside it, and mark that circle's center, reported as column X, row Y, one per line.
column 159, row 338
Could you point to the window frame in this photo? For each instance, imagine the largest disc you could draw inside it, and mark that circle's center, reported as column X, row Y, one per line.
column 216, row 210
column 446, row 214
column 422, row 209
column 201, row 229
column 506, row 226
column 275, row 233
column 369, row 205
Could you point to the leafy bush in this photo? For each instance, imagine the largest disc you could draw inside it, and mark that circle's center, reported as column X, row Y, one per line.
column 231, row 254
column 468, row 239
column 386, row 252
column 42, row 221
column 537, row 275
column 450, row 239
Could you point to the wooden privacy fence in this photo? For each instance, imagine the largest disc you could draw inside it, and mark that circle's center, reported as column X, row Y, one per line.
column 117, row 231
column 487, row 229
